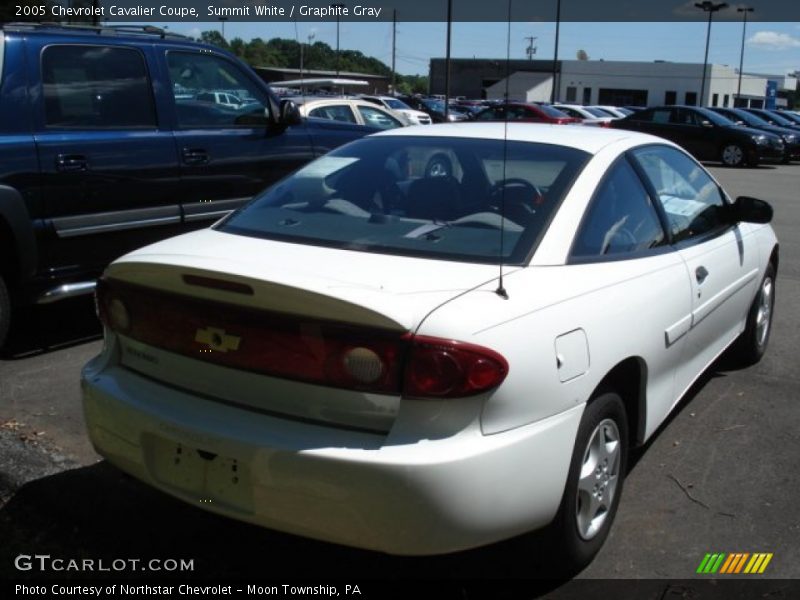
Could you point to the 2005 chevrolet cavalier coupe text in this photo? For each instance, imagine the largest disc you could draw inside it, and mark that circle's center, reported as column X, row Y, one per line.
column 341, row 359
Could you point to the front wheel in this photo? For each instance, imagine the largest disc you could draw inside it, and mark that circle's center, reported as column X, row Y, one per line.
column 732, row 155
column 752, row 344
column 594, row 482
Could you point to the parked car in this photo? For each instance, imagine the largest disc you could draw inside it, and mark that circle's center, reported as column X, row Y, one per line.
column 790, row 137
column 531, row 113
column 434, row 107
column 109, row 142
column 414, row 117
column 585, row 114
column 789, row 115
column 350, row 110
column 223, row 98
column 418, row 364
column 706, row 134
column 615, row 111
column 773, row 118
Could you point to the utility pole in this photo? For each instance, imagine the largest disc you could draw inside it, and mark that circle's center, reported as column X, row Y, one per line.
column 394, row 50
column 710, row 8
column 447, row 62
column 554, row 91
column 745, row 10
column 531, row 49
column 339, row 6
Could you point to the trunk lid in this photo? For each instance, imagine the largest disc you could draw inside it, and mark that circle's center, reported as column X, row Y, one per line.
column 254, row 322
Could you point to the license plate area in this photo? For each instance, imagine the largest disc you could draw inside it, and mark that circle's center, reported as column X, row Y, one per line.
column 207, row 478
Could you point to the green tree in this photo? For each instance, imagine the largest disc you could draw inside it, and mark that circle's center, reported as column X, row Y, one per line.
column 214, row 37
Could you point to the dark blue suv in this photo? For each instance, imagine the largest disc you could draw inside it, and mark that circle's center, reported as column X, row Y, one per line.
column 114, row 137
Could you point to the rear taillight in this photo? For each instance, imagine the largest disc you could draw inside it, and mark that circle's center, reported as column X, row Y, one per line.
column 450, row 369
column 299, row 348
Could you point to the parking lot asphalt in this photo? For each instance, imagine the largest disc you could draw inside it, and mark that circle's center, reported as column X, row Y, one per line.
column 719, row 476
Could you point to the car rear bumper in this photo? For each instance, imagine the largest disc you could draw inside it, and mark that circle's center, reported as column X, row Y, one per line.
column 391, row 493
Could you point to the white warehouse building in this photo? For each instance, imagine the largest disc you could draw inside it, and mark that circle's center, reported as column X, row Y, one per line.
column 618, row 83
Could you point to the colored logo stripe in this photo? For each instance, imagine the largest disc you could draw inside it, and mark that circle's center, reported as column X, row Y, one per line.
column 734, row 563
column 758, row 563
column 711, row 563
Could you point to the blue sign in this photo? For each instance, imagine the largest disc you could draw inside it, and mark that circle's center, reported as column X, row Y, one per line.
column 772, row 91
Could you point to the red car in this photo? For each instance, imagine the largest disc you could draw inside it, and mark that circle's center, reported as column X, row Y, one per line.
column 532, row 113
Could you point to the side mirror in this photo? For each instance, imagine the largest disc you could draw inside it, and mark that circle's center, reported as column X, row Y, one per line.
column 705, row 123
column 750, row 210
column 290, row 115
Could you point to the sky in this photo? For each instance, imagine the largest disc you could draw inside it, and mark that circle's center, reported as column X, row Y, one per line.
column 772, row 48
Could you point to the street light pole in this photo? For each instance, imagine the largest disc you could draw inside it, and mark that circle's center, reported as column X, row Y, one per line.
column 710, row 8
column 339, row 6
column 447, row 62
column 554, row 91
column 744, row 10
column 222, row 20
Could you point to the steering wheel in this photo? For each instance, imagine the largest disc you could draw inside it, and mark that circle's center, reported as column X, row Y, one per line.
column 439, row 165
column 530, row 190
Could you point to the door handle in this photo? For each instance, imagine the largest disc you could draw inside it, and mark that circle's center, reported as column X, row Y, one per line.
column 195, row 156
column 71, row 163
column 700, row 274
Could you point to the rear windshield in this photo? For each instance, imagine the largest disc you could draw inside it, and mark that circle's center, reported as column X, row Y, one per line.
column 458, row 199
column 552, row 112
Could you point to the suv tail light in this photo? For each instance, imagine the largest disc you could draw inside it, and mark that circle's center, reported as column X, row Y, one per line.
column 299, row 348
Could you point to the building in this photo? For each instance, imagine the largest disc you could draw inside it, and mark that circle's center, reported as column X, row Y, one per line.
column 378, row 84
column 620, row 83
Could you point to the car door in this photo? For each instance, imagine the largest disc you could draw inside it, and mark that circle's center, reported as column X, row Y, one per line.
column 227, row 153
column 109, row 170
column 721, row 258
column 622, row 237
column 692, row 134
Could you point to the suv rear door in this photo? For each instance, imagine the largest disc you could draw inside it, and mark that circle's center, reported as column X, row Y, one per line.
column 109, row 170
column 227, row 153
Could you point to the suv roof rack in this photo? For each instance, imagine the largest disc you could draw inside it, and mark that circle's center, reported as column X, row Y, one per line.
column 96, row 29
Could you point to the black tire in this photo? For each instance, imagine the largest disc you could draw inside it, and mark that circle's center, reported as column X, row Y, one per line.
column 5, row 311
column 752, row 343
column 439, row 165
column 733, row 155
column 580, row 539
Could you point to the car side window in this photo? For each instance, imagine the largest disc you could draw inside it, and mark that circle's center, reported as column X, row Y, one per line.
column 490, row 114
column 621, row 218
column 210, row 91
column 377, row 118
column 691, row 200
column 334, row 112
column 662, row 115
column 96, row 87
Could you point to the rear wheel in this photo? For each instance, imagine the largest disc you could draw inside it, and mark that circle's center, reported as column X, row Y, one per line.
column 732, row 155
column 594, row 483
column 5, row 311
column 752, row 344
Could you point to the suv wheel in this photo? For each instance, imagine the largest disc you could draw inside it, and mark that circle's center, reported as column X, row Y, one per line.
column 5, row 311
column 732, row 155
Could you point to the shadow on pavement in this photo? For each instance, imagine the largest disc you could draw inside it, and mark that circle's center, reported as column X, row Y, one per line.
column 41, row 329
column 98, row 512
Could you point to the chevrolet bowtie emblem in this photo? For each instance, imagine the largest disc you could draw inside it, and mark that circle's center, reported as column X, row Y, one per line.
column 217, row 339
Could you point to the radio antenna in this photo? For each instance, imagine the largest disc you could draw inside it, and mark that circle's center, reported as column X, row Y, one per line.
column 501, row 290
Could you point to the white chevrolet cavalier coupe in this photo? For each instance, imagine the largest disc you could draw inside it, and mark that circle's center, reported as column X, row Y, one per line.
column 419, row 362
